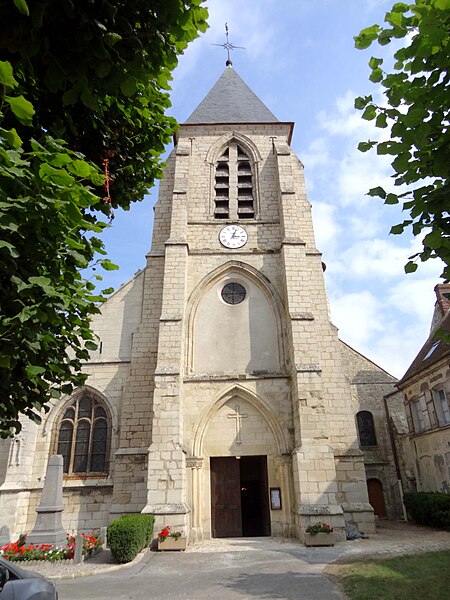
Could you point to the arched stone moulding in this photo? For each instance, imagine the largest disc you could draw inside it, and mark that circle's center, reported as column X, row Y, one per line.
column 245, row 271
column 237, row 390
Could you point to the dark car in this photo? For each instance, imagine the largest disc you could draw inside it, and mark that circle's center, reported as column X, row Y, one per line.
column 18, row 584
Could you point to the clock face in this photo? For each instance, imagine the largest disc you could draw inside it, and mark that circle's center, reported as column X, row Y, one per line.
column 233, row 236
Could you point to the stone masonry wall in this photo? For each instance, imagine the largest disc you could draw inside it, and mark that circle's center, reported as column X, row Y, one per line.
column 369, row 384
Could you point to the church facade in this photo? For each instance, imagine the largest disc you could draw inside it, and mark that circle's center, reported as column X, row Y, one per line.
column 220, row 399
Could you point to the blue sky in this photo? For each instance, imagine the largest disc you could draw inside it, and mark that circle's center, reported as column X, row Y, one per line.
column 300, row 59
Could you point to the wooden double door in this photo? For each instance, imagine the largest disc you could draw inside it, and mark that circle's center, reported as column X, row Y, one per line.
column 239, row 496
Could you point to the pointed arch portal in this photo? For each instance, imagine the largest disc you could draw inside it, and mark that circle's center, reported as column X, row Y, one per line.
column 236, row 464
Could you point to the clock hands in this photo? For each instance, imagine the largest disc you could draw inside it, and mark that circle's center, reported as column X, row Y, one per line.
column 233, row 236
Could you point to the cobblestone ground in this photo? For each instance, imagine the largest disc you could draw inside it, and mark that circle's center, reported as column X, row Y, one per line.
column 391, row 538
column 394, row 538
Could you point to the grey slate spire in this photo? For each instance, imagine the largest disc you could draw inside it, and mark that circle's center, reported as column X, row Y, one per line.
column 231, row 101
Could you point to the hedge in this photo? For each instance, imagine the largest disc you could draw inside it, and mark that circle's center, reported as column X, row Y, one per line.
column 429, row 508
column 128, row 535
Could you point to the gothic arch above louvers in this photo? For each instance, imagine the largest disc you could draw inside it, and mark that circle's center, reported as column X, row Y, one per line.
column 220, row 145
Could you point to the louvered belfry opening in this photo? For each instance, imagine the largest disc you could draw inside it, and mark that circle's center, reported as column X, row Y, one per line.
column 222, row 187
column 246, row 208
column 233, row 185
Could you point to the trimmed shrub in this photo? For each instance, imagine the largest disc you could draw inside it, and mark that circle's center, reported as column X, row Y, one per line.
column 429, row 508
column 128, row 535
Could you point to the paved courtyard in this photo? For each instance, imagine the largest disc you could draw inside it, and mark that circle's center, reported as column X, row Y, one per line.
column 252, row 568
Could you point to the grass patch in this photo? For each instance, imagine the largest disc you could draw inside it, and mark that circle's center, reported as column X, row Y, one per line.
column 412, row 577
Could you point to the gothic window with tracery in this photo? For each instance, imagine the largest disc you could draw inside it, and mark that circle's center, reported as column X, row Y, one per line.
column 366, row 428
column 83, row 437
column 233, row 185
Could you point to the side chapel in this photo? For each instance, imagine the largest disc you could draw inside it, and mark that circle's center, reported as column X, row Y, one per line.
column 221, row 398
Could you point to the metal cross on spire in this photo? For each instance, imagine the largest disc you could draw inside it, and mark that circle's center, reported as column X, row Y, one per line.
column 228, row 46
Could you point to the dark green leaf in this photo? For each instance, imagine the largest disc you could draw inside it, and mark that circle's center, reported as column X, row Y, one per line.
column 22, row 7
column 108, row 265
column 5, row 362
column 361, row 102
column 80, row 168
column 376, row 75
column 397, row 229
column 22, row 108
column 370, row 113
column 377, row 191
column 391, row 199
column 33, row 370
column 365, row 146
column 71, row 96
column 394, row 18
column 57, row 176
column 9, row 248
column 13, row 138
column 381, row 120
column 108, row 291
column 113, row 38
column 374, row 63
column 410, row 267
column 6, row 75
column 400, row 7
column 128, row 86
column 366, row 37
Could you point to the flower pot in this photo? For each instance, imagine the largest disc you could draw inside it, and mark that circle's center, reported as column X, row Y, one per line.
column 170, row 543
column 320, row 539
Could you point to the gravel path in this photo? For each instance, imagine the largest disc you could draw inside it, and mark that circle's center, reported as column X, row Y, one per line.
column 101, row 562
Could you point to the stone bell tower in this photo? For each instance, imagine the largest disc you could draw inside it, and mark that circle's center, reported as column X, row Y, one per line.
column 236, row 418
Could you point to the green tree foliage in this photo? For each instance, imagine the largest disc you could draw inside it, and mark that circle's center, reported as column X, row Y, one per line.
column 97, row 73
column 79, row 82
column 417, row 111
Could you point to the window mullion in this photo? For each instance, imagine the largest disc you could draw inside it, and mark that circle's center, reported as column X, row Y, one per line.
column 91, row 434
column 233, row 166
column 74, row 439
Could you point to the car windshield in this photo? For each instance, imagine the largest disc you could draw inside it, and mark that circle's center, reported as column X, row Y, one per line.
column 18, row 571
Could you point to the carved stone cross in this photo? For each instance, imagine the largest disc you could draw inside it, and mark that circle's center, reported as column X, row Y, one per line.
column 237, row 415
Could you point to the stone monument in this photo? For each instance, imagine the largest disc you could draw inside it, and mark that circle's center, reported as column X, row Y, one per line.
column 4, row 535
column 48, row 528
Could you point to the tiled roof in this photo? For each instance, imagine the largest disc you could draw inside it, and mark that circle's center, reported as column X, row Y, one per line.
column 231, row 101
column 431, row 352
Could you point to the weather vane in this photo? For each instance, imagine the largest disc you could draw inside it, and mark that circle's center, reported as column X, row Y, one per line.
column 228, row 46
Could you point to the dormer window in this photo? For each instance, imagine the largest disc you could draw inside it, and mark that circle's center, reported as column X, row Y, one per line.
column 233, row 185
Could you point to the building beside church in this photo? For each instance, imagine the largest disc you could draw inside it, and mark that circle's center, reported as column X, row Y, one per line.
column 426, row 390
column 221, row 398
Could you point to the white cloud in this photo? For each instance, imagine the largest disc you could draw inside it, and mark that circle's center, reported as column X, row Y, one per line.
column 357, row 173
column 373, row 326
column 415, row 297
column 372, row 258
column 326, row 226
column 317, row 153
column 356, row 314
